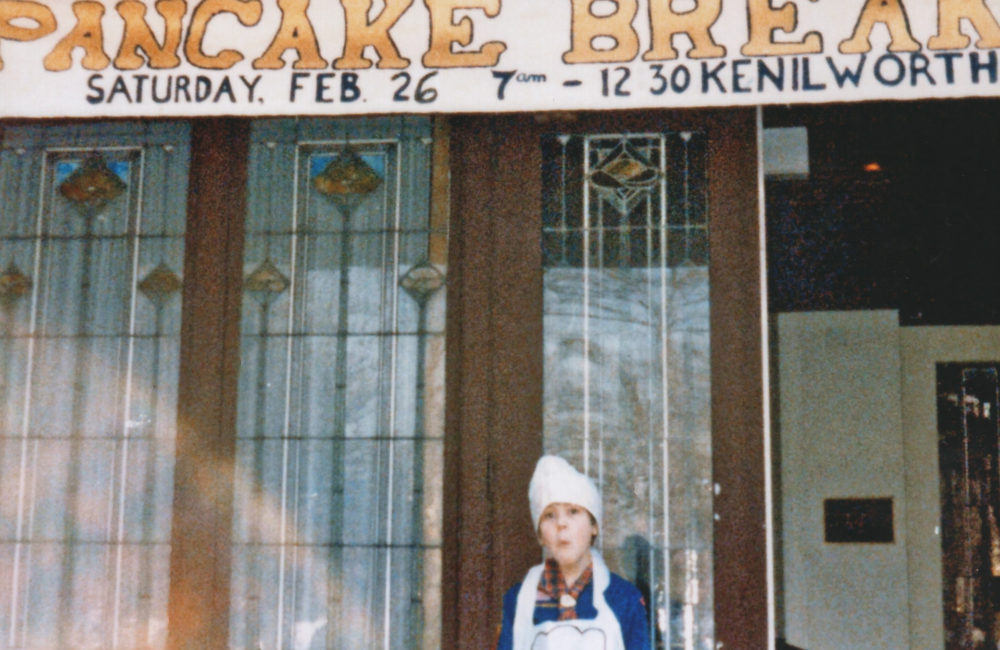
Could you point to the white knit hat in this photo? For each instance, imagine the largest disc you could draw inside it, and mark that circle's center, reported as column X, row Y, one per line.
column 556, row 481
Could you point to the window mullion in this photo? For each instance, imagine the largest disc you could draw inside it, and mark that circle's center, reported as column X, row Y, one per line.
column 209, row 367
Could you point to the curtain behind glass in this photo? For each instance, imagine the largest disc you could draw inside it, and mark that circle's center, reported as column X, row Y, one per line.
column 626, row 335
column 339, row 452
column 91, row 247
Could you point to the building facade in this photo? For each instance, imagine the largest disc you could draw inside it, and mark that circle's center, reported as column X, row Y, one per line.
column 295, row 294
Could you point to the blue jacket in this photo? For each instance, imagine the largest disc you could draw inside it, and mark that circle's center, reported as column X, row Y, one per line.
column 622, row 597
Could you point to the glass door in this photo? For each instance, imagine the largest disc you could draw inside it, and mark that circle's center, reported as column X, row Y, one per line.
column 606, row 303
column 627, row 365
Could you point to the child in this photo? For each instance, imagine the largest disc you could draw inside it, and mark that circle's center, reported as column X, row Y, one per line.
column 571, row 601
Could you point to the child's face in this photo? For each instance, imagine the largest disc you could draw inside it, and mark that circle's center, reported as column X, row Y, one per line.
column 566, row 530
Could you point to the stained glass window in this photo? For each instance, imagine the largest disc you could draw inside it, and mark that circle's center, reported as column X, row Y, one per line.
column 626, row 336
column 91, row 240
column 340, row 451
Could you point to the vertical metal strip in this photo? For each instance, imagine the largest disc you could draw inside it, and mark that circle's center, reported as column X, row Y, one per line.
column 145, row 581
column 564, row 235
column 765, row 381
column 258, row 490
column 689, row 541
column 381, row 443
column 126, row 417
column 7, row 304
column 585, row 253
column 428, row 509
column 20, row 546
column 417, row 542
column 665, row 385
column 80, row 369
column 289, row 397
column 340, row 381
column 598, row 294
column 651, row 432
column 279, row 614
column 32, row 474
column 294, row 374
column 416, row 537
column 393, row 288
column 257, row 548
column 688, row 228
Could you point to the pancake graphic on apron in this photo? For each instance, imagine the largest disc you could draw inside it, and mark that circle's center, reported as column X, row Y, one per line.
column 570, row 636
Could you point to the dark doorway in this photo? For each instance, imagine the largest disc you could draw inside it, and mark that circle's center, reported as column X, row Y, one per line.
column 967, row 396
column 895, row 212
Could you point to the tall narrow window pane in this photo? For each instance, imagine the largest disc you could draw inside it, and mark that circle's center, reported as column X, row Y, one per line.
column 626, row 336
column 339, row 450
column 91, row 247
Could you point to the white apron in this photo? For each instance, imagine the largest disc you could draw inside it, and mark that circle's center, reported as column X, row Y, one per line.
column 601, row 633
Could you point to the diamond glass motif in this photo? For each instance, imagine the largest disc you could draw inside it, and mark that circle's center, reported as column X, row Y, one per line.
column 266, row 282
column 92, row 186
column 422, row 280
column 160, row 284
column 347, row 179
column 13, row 283
column 624, row 177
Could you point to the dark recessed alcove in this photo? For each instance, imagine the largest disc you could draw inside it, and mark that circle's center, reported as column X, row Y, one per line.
column 901, row 210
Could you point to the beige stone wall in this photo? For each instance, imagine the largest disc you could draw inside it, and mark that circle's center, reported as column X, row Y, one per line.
column 840, row 436
column 857, row 417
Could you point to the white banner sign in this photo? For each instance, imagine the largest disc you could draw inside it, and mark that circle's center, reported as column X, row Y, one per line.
column 340, row 57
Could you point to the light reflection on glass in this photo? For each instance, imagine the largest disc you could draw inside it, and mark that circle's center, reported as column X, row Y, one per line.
column 88, row 381
column 626, row 337
column 340, row 433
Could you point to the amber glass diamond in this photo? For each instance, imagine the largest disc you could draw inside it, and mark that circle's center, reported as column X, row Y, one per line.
column 92, row 186
column 422, row 280
column 266, row 282
column 13, row 283
column 160, row 284
column 347, row 178
column 624, row 176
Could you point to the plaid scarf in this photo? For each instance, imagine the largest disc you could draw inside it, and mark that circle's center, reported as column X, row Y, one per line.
column 553, row 586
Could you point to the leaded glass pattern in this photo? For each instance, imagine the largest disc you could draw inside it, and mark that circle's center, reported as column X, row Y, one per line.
column 337, row 527
column 91, row 240
column 626, row 342
column 625, row 201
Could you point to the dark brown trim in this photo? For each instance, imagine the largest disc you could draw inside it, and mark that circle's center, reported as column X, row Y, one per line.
column 737, row 392
column 494, row 371
column 198, row 606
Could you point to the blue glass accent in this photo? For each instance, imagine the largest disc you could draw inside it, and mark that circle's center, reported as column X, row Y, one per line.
column 65, row 168
column 374, row 160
